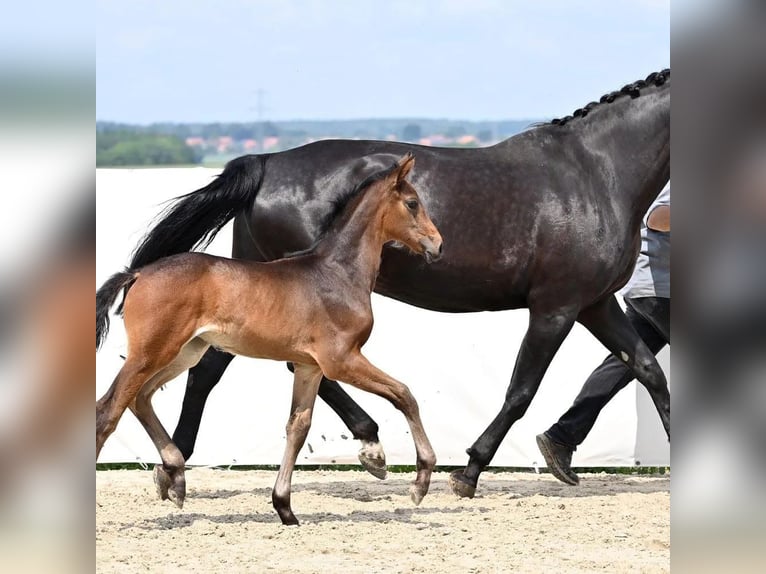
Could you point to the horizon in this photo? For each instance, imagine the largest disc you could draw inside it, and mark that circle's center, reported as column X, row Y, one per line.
column 329, row 120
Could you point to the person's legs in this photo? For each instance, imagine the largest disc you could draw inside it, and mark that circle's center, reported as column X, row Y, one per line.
column 650, row 316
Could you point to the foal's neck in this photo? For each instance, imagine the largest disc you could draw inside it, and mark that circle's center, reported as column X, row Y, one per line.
column 354, row 243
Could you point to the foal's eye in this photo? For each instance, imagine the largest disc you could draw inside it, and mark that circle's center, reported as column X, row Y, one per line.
column 412, row 204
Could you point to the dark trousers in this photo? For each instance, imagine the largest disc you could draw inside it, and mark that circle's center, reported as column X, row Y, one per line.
column 650, row 317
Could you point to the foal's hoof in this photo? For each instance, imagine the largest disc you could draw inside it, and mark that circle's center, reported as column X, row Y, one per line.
column 169, row 487
column 373, row 459
column 177, row 493
column 162, row 482
column 417, row 493
column 461, row 485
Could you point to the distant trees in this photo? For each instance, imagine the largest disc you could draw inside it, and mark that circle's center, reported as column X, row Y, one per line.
column 411, row 133
column 124, row 148
column 484, row 136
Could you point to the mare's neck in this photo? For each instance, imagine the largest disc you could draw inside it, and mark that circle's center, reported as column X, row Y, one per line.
column 632, row 139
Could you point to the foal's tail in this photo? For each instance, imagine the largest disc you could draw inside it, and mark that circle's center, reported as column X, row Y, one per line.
column 105, row 298
column 193, row 220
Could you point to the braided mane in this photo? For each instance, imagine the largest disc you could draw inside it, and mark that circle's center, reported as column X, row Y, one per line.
column 633, row 90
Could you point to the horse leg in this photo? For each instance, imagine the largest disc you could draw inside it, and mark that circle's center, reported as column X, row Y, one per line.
column 305, row 387
column 544, row 336
column 111, row 406
column 202, row 378
column 611, row 326
column 356, row 370
column 650, row 317
column 361, row 425
column 169, row 477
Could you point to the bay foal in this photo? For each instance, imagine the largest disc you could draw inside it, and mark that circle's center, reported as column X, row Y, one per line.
column 312, row 309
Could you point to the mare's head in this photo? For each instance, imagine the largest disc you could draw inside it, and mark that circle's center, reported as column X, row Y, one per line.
column 404, row 218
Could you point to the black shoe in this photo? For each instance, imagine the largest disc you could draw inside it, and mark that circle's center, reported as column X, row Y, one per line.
column 558, row 457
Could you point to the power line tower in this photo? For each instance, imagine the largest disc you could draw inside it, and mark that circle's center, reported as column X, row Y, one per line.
column 260, row 130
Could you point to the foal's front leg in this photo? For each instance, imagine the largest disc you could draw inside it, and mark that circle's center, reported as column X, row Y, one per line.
column 305, row 386
column 356, row 370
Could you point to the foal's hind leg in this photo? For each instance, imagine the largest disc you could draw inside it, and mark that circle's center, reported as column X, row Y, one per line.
column 169, row 477
column 610, row 325
column 356, row 370
column 111, row 406
column 305, row 386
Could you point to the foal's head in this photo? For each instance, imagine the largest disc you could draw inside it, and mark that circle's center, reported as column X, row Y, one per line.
column 405, row 219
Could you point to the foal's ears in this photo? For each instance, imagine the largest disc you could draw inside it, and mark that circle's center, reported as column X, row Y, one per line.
column 404, row 166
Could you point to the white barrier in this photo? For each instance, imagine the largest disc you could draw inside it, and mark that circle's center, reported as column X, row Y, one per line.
column 457, row 366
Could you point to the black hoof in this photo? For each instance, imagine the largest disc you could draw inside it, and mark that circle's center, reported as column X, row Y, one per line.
column 288, row 518
column 558, row 458
column 461, row 485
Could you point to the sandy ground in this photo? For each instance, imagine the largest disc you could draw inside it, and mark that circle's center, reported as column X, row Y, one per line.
column 352, row 522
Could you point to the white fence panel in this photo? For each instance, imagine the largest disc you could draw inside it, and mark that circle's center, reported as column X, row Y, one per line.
column 458, row 367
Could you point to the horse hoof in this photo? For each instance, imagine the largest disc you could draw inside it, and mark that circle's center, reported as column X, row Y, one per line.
column 288, row 519
column 460, row 485
column 162, row 482
column 373, row 459
column 177, row 495
column 417, row 493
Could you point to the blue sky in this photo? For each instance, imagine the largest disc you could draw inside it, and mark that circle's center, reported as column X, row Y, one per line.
column 201, row 61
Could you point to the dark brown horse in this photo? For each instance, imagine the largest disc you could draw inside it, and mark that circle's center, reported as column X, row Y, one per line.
column 547, row 219
column 312, row 309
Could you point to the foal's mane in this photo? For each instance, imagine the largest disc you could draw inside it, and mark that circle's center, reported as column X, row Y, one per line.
column 339, row 205
column 633, row 90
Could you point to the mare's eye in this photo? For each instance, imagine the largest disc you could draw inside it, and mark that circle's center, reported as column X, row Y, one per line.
column 412, row 204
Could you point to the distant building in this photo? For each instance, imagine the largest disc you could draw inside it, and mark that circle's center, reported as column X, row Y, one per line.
column 467, row 140
column 224, row 143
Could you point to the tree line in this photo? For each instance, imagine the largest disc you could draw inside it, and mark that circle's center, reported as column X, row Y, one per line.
column 127, row 148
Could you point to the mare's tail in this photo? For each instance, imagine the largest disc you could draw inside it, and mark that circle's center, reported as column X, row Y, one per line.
column 194, row 219
column 105, row 298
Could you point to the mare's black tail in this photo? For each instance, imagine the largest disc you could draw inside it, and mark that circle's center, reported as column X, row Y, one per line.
column 105, row 298
column 194, row 219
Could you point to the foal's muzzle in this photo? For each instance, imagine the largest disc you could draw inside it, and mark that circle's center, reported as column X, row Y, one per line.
column 432, row 249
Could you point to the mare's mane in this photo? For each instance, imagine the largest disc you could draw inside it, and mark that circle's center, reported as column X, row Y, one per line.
column 633, row 90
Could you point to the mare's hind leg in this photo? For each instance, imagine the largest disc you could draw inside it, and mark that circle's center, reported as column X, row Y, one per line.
column 356, row 370
column 305, row 387
column 544, row 336
column 361, row 425
column 610, row 325
column 202, row 378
